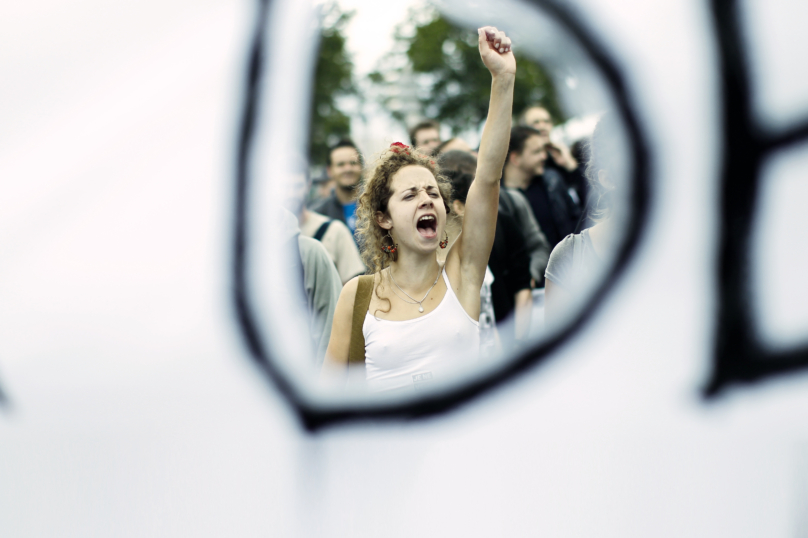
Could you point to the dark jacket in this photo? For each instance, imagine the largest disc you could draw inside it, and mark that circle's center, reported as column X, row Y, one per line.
column 574, row 179
column 555, row 211
column 510, row 264
column 514, row 204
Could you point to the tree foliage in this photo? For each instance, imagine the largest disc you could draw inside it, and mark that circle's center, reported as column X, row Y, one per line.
column 453, row 86
column 333, row 79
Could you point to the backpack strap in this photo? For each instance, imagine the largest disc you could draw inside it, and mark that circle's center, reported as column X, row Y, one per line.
column 318, row 235
column 356, row 351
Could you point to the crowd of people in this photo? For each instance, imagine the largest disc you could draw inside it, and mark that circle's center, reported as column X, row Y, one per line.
column 436, row 249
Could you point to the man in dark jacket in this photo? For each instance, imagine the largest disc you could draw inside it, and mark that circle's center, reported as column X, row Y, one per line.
column 561, row 160
column 547, row 193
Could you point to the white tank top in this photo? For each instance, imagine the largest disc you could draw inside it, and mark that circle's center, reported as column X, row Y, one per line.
column 414, row 352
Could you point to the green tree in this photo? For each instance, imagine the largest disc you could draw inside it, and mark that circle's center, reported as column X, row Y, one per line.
column 453, row 85
column 333, row 79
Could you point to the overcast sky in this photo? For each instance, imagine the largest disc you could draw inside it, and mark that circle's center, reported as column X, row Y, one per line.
column 370, row 33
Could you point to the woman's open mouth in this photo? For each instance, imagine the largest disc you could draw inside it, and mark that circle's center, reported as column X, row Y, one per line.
column 428, row 226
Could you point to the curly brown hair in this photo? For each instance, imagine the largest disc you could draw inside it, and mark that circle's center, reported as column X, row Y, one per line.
column 374, row 194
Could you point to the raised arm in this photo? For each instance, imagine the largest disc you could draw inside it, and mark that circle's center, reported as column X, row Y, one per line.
column 479, row 223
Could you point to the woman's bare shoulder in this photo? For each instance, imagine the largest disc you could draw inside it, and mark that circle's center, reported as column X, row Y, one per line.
column 348, row 294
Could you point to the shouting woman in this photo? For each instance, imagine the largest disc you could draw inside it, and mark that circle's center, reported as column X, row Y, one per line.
column 413, row 320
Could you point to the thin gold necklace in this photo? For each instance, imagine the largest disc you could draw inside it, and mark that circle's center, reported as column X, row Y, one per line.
column 415, row 301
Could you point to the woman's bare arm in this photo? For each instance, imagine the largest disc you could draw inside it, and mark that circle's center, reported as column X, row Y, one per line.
column 482, row 201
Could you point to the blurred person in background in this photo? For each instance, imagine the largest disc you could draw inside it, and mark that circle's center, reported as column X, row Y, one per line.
column 321, row 283
column 581, row 150
column 425, row 136
column 560, row 159
column 552, row 206
column 345, row 168
column 512, row 205
column 578, row 260
column 333, row 234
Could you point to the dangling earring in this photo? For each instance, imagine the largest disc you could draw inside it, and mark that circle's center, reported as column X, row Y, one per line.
column 445, row 239
column 390, row 249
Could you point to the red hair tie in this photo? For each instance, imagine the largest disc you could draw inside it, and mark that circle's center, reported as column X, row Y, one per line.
column 395, row 145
